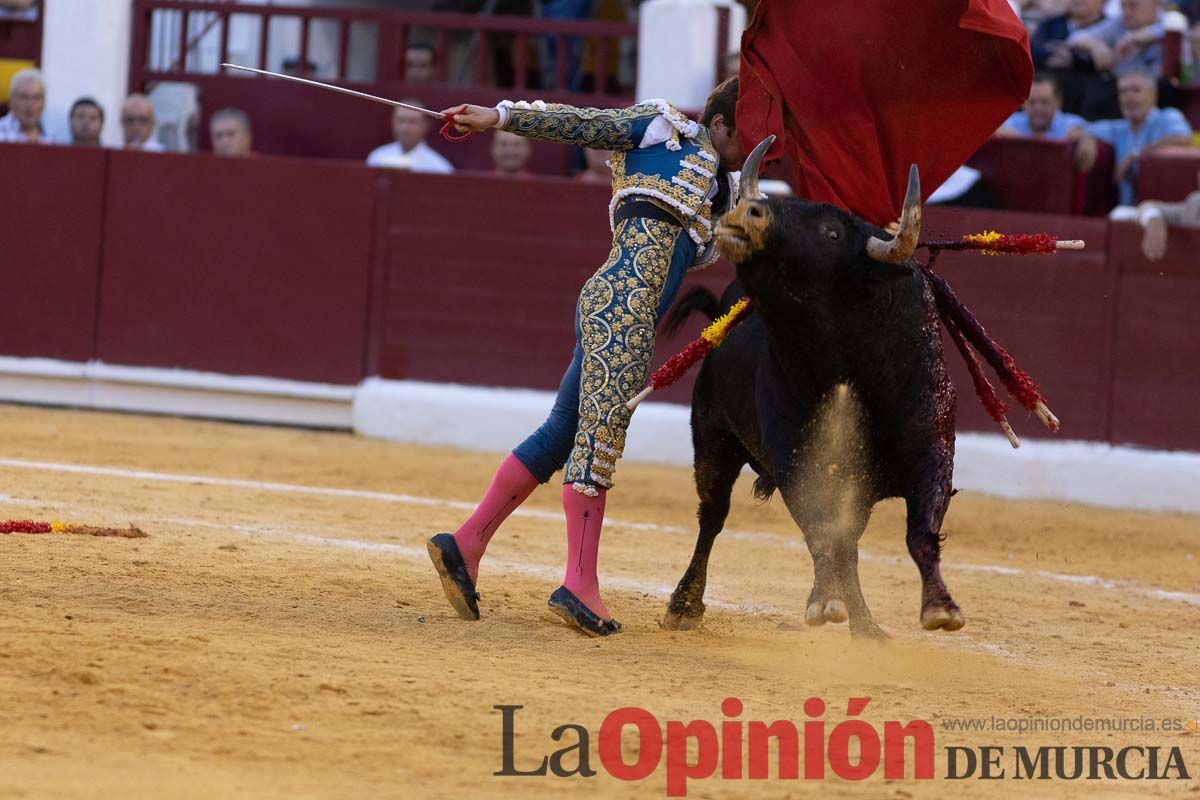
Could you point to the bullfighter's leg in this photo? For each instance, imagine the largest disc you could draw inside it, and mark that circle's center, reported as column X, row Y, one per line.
column 456, row 556
column 617, row 313
column 927, row 507
column 719, row 460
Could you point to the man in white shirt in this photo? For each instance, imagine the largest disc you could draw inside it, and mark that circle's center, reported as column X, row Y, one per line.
column 27, row 101
column 409, row 151
column 137, row 124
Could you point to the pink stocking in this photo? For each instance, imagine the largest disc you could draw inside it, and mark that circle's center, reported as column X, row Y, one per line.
column 511, row 485
column 585, row 516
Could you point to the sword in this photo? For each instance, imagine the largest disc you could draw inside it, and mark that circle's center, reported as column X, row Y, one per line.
column 448, row 119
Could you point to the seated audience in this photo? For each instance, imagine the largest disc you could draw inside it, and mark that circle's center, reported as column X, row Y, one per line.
column 597, row 170
column 1080, row 46
column 409, row 150
column 87, row 122
column 137, row 124
column 1082, row 39
column 230, row 132
column 26, row 102
column 510, row 154
column 1140, row 45
column 420, row 64
column 1042, row 117
column 1155, row 216
column 1142, row 127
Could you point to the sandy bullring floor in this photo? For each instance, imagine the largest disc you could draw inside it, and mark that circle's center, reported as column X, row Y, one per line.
column 274, row 641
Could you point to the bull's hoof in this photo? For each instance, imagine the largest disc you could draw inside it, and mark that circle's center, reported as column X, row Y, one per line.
column 830, row 611
column 675, row 621
column 867, row 629
column 948, row 618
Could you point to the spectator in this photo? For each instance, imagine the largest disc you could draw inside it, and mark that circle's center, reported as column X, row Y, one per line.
column 27, row 101
column 1082, row 39
column 510, row 154
column 230, row 132
column 420, row 63
column 1155, row 216
column 1043, row 118
column 409, row 150
column 597, row 170
column 87, row 121
column 1140, row 45
column 1042, row 115
column 1080, row 47
column 137, row 124
column 1142, row 127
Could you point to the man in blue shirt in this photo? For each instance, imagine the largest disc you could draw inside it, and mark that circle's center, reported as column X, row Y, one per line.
column 1042, row 117
column 1142, row 127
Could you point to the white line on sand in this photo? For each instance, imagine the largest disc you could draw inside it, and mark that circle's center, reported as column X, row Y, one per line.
column 406, row 499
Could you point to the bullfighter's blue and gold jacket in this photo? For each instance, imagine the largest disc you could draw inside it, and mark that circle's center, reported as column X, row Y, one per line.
column 659, row 155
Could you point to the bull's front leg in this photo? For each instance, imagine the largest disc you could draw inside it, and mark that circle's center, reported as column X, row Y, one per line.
column 926, row 509
column 719, row 461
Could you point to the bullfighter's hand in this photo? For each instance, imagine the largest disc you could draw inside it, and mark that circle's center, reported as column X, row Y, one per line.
column 893, row 227
column 473, row 118
column 1154, row 239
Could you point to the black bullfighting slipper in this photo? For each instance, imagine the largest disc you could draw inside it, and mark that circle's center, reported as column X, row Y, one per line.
column 456, row 581
column 576, row 614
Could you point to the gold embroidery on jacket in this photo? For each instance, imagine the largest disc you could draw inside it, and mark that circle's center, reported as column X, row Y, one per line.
column 617, row 310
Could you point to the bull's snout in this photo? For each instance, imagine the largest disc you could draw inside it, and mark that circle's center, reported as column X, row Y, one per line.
column 742, row 231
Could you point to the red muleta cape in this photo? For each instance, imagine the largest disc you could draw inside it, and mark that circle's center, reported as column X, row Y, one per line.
column 857, row 90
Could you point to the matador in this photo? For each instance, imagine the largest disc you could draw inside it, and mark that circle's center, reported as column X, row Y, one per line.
column 672, row 177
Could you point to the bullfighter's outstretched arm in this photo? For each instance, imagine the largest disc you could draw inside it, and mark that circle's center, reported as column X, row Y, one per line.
column 649, row 122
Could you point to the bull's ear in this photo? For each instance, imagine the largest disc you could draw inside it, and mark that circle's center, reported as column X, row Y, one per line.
column 749, row 185
column 905, row 241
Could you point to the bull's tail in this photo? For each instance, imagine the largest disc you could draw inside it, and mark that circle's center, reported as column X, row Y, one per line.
column 695, row 299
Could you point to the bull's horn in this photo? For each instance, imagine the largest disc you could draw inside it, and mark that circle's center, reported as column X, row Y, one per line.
column 749, row 184
column 902, row 245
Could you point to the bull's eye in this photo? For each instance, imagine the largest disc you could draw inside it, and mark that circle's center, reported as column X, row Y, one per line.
column 756, row 211
column 832, row 235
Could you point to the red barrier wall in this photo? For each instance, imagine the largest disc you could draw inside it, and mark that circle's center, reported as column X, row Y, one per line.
column 1156, row 382
column 1039, row 175
column 240, row 266
column 330, row 272
column 1170, row 174
column 482, row 276
column 52, row 206
column 1052, row 314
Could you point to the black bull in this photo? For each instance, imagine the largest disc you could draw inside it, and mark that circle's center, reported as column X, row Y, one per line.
column 835, row 391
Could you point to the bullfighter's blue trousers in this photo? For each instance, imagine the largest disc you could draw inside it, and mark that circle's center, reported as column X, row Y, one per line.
column 615, row 319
